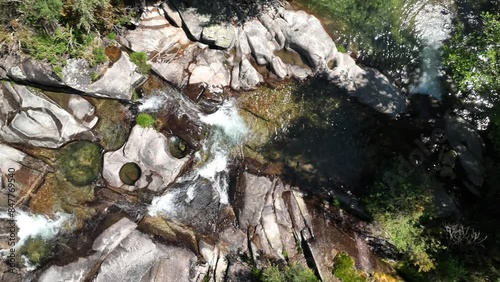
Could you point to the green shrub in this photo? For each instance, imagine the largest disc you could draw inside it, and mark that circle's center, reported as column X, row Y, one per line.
column 111, row 36
column 298, row 273
column 400, row 211
column 272, row 274
column 343, row 269
column 86, row 11
column 293, row 273
column 99, row 55
column 145, row 120
column 140, row 59
column 42, row 12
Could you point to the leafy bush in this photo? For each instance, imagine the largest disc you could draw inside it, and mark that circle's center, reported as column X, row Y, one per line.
column 42, row 12
column 272, row 274
column 145, row 120
column 400, row 210
column 111, row 36
column 343, row 269
column 473, row 61
column 85, row 12
column 140, row 59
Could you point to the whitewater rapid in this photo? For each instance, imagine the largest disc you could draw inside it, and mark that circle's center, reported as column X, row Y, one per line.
column 228, row 131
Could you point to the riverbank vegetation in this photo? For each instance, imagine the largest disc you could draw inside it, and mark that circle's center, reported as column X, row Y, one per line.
column 53, row 30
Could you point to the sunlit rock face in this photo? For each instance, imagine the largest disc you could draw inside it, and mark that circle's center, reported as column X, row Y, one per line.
column 114, row 80
column 147, row 148
column 276, row 44
column 30, row 117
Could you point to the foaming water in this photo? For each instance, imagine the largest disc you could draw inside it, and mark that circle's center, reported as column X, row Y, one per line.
column 228, row 130
column 31, row 226
column 152, row 103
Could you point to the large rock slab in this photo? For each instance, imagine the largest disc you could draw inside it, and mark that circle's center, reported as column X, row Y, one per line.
column 464, row 139
column 121, row 253
column 368, row 85
column 29, row 117
column 306, row 35
column 116, row 81
column 149, row 150
column 218, row 35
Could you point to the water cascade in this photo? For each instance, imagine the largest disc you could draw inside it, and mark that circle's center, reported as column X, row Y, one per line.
column 433, row 25
column 227, row 132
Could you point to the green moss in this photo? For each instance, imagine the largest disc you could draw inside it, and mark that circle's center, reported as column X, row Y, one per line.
column 135, row 96
column 94, row 76
column 99, row 56
column 37, row 250
column 111, row 36
column 145, row 120
column 343, row 269
column 81, row 162
column 140, row 59
column 58, row 71
column 292, row 273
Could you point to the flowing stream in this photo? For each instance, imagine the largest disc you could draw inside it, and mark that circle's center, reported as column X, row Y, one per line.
column 227, row 133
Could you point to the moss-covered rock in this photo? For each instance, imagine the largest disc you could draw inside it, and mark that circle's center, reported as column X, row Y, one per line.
column 81, row 162
column 37, row 250
column 112, row 128
column 130, row 173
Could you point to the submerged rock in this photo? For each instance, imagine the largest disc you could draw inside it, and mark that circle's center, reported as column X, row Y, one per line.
column 29, row 117
column 147, row 148
column 81, row 162
column 130, row 173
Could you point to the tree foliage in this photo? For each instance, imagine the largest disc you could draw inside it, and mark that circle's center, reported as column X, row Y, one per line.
column 473, row 59
column 343, row 269
column 400, row 211
column 292, row 273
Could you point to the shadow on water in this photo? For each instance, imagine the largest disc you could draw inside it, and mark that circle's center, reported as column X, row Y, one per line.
column 339, row 147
